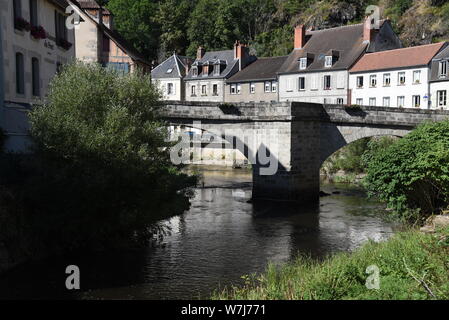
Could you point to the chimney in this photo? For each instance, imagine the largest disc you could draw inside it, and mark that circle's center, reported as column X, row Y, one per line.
column 300, row 36
column 241, row 52
column 368, row 29
column 200, row 53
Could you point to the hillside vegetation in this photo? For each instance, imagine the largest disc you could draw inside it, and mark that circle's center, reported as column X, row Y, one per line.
column 160, row 27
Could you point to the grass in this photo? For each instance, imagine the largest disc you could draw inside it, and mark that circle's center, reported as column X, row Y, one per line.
column 412, row 266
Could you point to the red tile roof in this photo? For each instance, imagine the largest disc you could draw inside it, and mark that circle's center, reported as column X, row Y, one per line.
column 398, row 58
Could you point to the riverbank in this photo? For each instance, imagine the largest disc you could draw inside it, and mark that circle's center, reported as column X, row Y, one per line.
column 412, row 265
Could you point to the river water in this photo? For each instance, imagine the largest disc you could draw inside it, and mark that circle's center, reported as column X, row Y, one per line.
column 221, row 238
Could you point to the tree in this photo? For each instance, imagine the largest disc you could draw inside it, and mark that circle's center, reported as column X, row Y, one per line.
column 100, row 174
column 413, row 173
column 135, row 20
column 172, row 16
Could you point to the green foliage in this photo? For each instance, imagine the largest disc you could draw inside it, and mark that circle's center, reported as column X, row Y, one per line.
column 100, row 174
column 159, row 27
column 135, row 20
column 413, row 173
column 406, row 262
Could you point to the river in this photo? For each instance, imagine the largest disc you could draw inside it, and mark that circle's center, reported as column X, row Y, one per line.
column 221, row 238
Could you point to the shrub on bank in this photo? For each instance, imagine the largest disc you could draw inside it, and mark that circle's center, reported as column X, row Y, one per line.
column 412, row 175
column 99, row 174
column 411, row 266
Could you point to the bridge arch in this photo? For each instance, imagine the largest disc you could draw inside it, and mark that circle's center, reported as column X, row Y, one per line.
column 334, row 137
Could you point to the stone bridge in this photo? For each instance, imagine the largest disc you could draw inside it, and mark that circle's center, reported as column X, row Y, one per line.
column 296, row 137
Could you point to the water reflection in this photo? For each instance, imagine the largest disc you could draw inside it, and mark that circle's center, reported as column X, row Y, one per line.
column 220, row 238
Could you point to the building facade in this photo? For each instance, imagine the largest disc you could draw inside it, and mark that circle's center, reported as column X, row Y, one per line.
column 35, row 43
column 206, row 79
column 439, row 80
column 395, row 78
column 98, row 41
column 258, row 82
column 317, row 70
column 169, row 77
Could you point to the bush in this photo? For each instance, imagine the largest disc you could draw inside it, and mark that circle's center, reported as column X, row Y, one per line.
column 412, row 175
column 100, row 173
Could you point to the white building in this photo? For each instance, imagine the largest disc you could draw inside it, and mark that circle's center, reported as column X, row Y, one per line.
column 439, row 80
column 317, row 70
column 35, row 43
column 395, row 78
column 169, row 77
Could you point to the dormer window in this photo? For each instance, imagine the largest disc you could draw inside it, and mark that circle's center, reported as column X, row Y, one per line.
column 217, row 70
column 328, row 61
column 195, row 71
column 442, row 72
column 303, row 63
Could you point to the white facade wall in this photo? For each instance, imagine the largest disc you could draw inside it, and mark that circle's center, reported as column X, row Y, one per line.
column 208, row 95
column 177, row 85
column 48, row 55
column 434, row 88
column 392, row 91
column 314, row 87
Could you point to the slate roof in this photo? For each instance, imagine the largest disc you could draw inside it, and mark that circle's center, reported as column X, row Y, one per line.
column 61, row 3
column 260, row 70
column 176, row 63
column 442, row 55
column 226, row 56
column 398, row 58
column 347, row 40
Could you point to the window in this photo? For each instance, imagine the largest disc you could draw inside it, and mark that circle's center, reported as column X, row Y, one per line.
column 401, row 78
column 443, row 69
column 373, row 81
column 252, row 88
column 20, row 77
column 217, row 70
column 315, row 82
column 416, row 100
column 301, row 83
column 387, row 79
column 340, row 101
column 441, row 97
column 360, row 82
column 359, row 101
column 170, row 70
column 170, row 90
column 215, row 90
column 233, row 89
column 193, row 91
column 386, row 101
column 239, row 88
column 401, row 101
column 33, row 13
column 120, row 67
column 35, row 77
column 203, row 90
column 372, row 102
column 17, row 8
column 195, row 71
column 328, row 62
column 268, row 86
column 327, row 82
column 274, row 86
column 303, row 63
column 416, row 76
